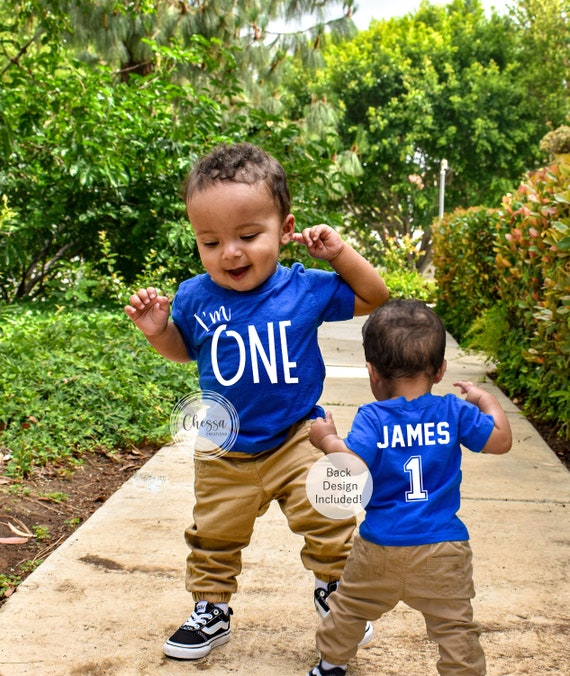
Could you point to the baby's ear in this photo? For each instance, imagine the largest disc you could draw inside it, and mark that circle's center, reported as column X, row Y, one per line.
column 287, row 229
column 438, row 377
column 372, row 372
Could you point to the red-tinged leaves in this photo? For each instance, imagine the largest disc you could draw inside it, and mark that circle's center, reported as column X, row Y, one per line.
column 522, row 313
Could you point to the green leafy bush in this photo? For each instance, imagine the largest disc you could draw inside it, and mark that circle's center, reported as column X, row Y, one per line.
column 504, row 287
column 556, row 141
column 465, row 268
column 533, row 350
column 77, row 380
column 117, row 167
column 397, row 260
column 410, row 284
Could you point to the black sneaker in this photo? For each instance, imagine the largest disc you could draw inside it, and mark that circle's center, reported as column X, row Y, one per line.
column 322, row 596
column 206, row 628
column 322, row 606
column 319, row 670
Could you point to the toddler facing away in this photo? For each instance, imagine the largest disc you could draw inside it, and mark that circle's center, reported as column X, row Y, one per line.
column 412, row 546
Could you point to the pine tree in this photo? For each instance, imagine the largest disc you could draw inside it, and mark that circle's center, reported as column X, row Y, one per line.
column 122, row 32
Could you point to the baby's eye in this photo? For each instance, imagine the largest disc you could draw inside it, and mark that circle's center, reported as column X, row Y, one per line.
column 249, row 237
column 210, row 245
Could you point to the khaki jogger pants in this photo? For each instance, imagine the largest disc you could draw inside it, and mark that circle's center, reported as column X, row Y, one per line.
column 232, row 492
column 436, row 579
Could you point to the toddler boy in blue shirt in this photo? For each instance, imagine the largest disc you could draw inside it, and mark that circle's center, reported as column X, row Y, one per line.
column 251, row 326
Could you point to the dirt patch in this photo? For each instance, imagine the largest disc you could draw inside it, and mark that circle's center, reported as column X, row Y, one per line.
column 37, row 514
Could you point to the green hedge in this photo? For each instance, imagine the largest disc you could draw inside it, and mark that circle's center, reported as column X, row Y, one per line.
column 504, row 287
column 465, row 267
column 534, row 294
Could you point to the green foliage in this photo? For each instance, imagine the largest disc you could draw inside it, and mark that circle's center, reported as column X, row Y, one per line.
column 397, row 253
column 80, row 380
column 534, row 290
column 117, row 168
column 405, row 283
column 117, row 33
column 488, row 331
column 504, row 287
column 445, row 82
column 41, row 532
column 396, row 258
column 57, row 497
column 542, row 28
column 465, row 268
column 8, row 583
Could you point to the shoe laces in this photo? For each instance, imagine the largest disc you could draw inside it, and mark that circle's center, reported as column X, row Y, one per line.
column 197, row 620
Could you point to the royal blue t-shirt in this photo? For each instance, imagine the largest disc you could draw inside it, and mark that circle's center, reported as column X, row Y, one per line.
column 413, row 452
column 259, row 348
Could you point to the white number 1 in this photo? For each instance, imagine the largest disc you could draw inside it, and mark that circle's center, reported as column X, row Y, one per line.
column 414, row 468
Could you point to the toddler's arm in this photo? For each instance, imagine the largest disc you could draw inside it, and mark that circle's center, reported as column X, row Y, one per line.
column 323, row 435
column 150, row 313
column 326, row 244
column 500, row 440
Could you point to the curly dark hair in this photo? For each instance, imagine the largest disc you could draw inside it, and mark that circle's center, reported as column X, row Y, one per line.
column 240, row 163
column 403, row 338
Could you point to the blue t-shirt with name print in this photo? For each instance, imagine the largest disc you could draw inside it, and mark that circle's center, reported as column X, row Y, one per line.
column 413, row 452
column 259, row 348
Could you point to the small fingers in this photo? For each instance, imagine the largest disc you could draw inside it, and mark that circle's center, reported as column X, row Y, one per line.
column 309, row 236
column 143, row 297
column 465, row 385
column 316, row 232
column 303, row 237
column 143, row 300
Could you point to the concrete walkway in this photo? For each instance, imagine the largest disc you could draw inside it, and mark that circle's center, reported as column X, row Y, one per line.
column 104, row 602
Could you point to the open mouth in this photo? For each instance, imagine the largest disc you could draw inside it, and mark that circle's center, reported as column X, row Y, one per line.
column 238, row 273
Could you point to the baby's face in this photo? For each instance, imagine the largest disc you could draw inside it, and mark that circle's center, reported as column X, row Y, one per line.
column 239, row 231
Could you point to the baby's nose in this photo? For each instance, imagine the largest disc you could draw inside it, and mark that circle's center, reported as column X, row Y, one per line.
column 232, row 250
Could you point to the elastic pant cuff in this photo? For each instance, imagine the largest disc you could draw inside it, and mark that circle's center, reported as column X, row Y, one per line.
column 212, row 598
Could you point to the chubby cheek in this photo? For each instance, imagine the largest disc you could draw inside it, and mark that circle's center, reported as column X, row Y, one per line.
column 209, row 259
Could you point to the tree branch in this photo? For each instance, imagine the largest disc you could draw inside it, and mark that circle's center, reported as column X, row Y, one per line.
column 15, row 60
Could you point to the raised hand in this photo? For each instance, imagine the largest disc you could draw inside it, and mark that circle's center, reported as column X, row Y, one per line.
column 149, row 311
column 322, row 241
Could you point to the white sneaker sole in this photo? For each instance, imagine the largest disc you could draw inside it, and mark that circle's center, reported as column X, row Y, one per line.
column 368, row 634
column 184, row 652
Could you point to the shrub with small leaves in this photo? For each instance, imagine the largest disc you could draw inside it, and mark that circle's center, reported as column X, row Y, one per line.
column 465, row 268
column 557, row 141
column 504, row 287
column 534, row 292
column 75, row 380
